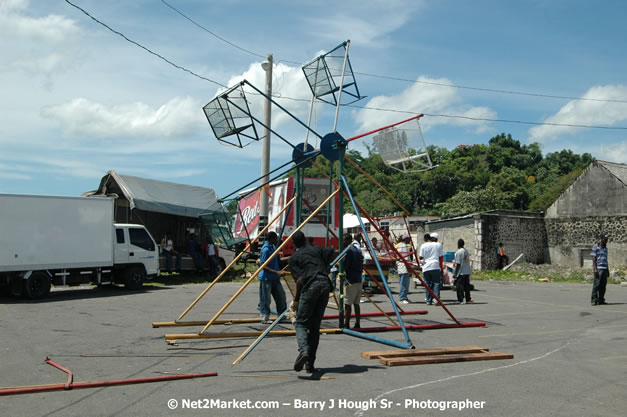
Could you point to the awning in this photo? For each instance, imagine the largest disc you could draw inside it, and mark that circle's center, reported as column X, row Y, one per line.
column 160, row 196
column 350, row 220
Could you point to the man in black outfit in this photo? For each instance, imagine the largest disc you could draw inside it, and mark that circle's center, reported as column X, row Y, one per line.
column 309, row 266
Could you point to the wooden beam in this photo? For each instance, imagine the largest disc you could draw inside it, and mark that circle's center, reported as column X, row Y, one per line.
column 202, row 323
column 405, row 353
column 460, row 357
column 241, row 334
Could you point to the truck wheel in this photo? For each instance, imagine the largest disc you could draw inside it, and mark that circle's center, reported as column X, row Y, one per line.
column 134, row 278
column 37, row 285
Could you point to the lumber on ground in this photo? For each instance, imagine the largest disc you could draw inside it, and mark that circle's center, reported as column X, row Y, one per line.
column 458, row 357
column 405, row 353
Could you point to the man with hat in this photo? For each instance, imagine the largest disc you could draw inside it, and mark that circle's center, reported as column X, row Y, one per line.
column 600, row 269
column 432, row 254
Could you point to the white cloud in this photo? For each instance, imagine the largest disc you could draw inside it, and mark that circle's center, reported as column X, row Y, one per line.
column 50, row 28
column 287, row 81
column 14, row 176
column 81, row 117
column 357, row 24
column 614, row 153
column 584, row 112
column 423, row 98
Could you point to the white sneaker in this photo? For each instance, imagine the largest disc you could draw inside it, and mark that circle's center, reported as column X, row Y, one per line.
column 404, row 301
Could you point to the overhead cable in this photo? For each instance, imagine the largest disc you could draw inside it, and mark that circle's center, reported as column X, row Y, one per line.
column 489, row 90
column 352, row 105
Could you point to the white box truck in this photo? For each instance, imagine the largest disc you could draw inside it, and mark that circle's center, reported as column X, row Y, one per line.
column 46, row 240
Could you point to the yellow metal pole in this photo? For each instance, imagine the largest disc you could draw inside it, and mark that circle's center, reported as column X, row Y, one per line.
column 253, row 276
column 377, row 184
column 380, row 309
column 234, row 261
column 241, row 334
column 203, row 322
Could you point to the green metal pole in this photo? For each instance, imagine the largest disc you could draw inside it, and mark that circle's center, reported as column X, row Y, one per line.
column 299, row 200
column 340, row 172
column 331, row 206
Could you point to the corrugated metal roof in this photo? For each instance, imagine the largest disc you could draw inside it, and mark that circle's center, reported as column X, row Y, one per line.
column 618, row 170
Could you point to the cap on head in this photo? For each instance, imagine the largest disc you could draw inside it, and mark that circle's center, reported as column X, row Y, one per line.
column 435, row 236
column 603, row 236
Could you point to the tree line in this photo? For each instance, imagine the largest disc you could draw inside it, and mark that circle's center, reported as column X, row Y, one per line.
column 470, row 178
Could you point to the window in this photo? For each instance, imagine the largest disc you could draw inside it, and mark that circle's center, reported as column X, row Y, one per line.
column 119, row 235
column 140, row 238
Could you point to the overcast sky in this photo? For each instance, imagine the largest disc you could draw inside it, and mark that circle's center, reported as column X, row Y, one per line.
column 78, row 100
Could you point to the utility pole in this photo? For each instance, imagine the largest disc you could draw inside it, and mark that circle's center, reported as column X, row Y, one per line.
column 265, row 144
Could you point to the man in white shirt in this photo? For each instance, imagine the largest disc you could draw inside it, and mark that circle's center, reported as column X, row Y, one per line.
column 432, row 254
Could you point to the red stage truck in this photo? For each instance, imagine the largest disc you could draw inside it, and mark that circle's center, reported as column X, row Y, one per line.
column 281, row 191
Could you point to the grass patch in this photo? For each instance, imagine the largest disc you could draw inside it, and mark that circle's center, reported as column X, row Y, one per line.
column 580, row 277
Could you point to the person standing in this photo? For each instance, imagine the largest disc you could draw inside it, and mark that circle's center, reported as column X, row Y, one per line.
column 403, row 249
column 432, row 254
column 417, row 283
column 353, row 265
column 503, row 259
column 462, row 273
column 270, row 279
column 309, row 266
column 167, row 247
column 211, row 256
column 601, row 270
column 194, row 251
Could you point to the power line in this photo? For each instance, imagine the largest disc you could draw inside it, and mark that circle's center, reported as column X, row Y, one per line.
column 143, row 47
column 482, row 119
column 210, row 32
column 490, row 90
column 355, row 106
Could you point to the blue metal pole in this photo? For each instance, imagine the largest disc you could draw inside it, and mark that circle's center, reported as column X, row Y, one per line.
column 376, row 261
column 260, row 338
column 262, row 123
column 280, row 107
column 377, row 339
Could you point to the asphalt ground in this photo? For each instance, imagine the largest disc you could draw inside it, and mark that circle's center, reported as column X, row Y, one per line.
column 569, row 357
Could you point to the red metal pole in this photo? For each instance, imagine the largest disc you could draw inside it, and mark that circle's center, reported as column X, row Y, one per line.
column 422, row 327
column 70, row 377
column 379, row 314
column 406, row 262
column 383, row 128
column 79, row 385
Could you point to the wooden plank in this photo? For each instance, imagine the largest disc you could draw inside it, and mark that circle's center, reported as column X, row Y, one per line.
column 447, row 358
column 398, row 353
column 515, row 260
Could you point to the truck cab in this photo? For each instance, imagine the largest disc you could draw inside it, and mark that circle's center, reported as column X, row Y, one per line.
column 135, row 255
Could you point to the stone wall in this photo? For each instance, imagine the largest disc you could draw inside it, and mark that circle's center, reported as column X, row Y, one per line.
column 519, row 233
column 571, row 238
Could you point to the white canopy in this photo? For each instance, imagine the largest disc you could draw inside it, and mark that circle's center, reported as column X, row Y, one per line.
column 350, row 220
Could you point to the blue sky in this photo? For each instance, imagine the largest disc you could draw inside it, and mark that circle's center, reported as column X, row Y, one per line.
column 78, row 100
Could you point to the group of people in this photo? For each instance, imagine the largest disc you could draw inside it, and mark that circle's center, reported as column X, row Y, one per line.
column 203, row 256
column 431, row 256
column 310, row 264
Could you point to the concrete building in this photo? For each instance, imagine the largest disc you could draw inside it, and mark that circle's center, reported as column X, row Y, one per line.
column 595, row 203
column 520, row 232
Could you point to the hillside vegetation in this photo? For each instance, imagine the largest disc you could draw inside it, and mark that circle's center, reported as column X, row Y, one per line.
column 470, row 178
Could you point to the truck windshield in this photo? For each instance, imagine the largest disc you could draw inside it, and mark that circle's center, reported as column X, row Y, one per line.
column 140, row 238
